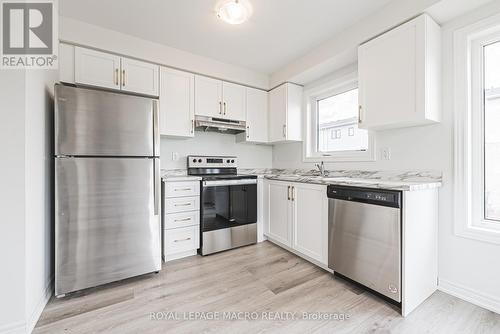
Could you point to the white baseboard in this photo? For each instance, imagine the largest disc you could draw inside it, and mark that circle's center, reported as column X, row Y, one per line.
column 35, row 315
column 15, row 328
column 472, row 296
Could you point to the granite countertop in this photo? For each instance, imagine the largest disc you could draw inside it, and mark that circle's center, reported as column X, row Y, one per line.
column 392, row 180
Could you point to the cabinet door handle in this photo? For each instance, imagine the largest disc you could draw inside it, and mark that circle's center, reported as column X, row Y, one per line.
column 225, row 108
column 182, row 189
column 248, row 131
column 288, row 192
column 192, row 125
column 116, row 77
column 220, row 107
column 182, row 220
column 179, row 240
column 284, row 130
column 123, row 78
column 185, row 204
column 360, row 120
column 293, row 193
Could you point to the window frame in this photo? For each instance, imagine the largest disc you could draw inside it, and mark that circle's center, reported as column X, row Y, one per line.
column 469, row 201
column 310, row 145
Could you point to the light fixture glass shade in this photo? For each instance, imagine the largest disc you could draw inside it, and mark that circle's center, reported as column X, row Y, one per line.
column 234, row 11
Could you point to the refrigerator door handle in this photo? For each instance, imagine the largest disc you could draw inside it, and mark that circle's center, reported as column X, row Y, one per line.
column 156, row 133
column 156, row 186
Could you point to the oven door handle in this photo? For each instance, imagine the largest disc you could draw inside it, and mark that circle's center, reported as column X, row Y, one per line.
column 229, row 182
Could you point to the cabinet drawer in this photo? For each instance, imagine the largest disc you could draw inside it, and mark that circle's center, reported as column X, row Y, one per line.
column 182, row 219
column 182, row 239
column 182, row 204
column 182, row 189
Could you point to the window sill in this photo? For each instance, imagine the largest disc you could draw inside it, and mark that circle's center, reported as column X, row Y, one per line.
column 479, row 234
column 342, row 157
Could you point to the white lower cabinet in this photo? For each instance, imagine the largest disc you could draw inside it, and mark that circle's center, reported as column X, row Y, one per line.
column 181, row 219
column 297, row 217
column 310, row 223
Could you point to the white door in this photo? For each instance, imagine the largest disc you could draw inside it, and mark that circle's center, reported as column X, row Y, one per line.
column 97, row 68
column 257, row 116
column 310, row 221
column 277, row 114
column 387, row 78
column 176, row 103
column 234, row 103
column 208, row 97
column 139, row 77
column 279, row 206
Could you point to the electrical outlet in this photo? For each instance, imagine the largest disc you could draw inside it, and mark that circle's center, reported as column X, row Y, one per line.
column 175, row 156
column 385, row 153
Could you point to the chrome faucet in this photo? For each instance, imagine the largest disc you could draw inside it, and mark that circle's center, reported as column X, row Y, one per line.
column 321, row 168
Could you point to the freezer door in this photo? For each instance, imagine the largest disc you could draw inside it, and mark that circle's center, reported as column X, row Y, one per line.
column 107, row 220
column 91, row 122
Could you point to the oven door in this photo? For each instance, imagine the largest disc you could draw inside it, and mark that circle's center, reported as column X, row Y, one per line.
column 228, row 203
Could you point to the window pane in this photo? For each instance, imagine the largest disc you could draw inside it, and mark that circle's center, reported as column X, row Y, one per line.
column 338, row 124
column 491, row 131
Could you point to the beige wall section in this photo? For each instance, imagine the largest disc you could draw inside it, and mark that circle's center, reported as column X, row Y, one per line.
column 77, row 32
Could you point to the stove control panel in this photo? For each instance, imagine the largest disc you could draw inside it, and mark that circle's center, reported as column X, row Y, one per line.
column 196, row 161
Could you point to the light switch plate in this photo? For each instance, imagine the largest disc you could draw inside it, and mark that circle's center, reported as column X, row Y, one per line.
column 385, row 152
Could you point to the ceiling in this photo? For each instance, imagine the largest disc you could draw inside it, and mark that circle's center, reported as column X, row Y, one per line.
column 278, row 31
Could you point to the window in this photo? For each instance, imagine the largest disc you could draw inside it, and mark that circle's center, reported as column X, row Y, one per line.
column 336, row 113
column 477, row 138
column 332, row 124
column 491, row 143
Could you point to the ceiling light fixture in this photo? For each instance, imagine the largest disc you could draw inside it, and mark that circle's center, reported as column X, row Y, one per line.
column 234, row 11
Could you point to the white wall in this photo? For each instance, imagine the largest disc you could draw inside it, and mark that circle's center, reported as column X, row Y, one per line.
column 77, row 32
column 209, row 143
column 12, row 200
column 467, row 268
column 26, row 227
column 39, row 197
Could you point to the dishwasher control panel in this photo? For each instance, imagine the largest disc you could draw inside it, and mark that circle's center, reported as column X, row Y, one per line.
column 365, row 195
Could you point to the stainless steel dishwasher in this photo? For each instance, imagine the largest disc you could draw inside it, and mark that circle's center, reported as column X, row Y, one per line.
column 364, row 237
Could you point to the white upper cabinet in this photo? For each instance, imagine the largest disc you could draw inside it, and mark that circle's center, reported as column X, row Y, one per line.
column 234, row 101
column 256, row 117
column 208, row 97
column 97, row 68
column 285, row 115
column 399, row 76
column 176, row 103
column 66, row 63
column 139, row 77
column 220, row 99
column 106, row 70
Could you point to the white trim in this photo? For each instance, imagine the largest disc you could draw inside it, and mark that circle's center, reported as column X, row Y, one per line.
column 466, row 221
column 470, row 295
column 35, row 315
column 338, row 85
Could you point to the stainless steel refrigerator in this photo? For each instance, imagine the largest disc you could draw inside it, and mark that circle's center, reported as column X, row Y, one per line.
column 107, row 187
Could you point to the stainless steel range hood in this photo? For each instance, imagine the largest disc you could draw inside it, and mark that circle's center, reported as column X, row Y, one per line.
column 205, row 123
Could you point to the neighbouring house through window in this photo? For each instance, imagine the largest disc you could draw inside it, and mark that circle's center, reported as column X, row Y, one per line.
column 332, row 125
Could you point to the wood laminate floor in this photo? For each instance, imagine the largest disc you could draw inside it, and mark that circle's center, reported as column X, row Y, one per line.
column 257, row 279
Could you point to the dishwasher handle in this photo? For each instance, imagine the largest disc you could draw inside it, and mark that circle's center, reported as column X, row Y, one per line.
column 382, row 197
